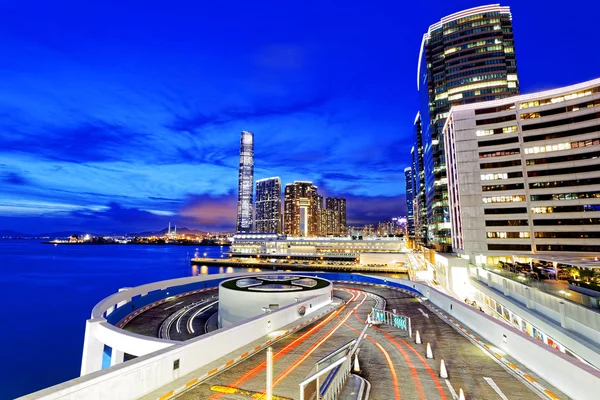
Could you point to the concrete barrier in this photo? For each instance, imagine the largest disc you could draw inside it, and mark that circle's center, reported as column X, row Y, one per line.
column 572, row 377
column 145, row 374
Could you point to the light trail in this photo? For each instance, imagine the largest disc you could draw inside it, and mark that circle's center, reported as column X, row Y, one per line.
column 391, row 365
column 256, row 370
column 190, row 323
column 306, row 354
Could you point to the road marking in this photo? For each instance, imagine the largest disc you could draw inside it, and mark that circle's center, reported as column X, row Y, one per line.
column 491, row 382
column 176, row 304
column 451, row 389
column 424, row 313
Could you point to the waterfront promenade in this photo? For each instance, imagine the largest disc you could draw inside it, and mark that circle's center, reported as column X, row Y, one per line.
column 300, row 265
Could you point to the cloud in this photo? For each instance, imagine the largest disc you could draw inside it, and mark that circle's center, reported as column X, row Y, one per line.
column 215, row 212
column 13, row 178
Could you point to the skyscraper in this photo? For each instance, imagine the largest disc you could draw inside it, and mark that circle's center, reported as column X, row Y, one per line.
column 336, row 216
column 268, row 205
column 418, row 177
column 245, row 182
column 465, row 58
column 301, row 209
column 409, row 201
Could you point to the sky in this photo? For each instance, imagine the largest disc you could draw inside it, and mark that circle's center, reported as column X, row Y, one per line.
column 123, row 116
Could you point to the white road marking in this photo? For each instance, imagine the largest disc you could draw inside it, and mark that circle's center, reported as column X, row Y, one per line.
column 190, row 324
column 452, row 391
column 424, row 313
column 495, row 387
column 176, row 304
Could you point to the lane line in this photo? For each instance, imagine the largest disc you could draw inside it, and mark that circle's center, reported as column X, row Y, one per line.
column 491, row 382
column 176, row 304
column 451, row 389
column 190, row 323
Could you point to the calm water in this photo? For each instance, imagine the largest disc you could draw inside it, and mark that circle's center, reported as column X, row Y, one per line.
column 49, row 291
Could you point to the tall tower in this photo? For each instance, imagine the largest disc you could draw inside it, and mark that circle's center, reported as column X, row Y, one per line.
column 302, row 217
column 245, row 182
column 268, row 205
column 467, row 57
column 336, row 216
column 409, row 201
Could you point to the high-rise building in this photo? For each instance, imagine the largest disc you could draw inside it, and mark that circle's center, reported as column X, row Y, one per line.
column 418, row 175
column 268, row 205
column 466, row 57
column 524, row 175
column 322, row 212
column 336, row 216
column 409, row 201
column 301, row 209
column 245, row 182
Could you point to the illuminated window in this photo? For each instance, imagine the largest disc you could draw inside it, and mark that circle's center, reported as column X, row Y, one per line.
column 504, row 199
column 542, row 210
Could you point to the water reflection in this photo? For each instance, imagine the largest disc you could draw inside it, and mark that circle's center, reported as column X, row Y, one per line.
column 194, row 270
column 229, row 270
column 204, row 270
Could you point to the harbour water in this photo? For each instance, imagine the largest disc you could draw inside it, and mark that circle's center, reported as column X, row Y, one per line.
column 49, row 291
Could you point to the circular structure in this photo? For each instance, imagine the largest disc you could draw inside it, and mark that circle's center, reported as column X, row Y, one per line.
column 249, row 296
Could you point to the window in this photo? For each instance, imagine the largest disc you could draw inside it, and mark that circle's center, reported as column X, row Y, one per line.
column 504, row 175
column 566, row 121
column 564, row 221
column 521, row 247
column 505, row 199
column 564, row 171
column 567, row 133
column 510, row 222
column 571, row 157
column 554, row 184
column 499, row 153
column 567, row 235
column 507, row 235
column 565, row 196
column 492, row 188
column 505, row 107
column 496, row 120
column 497, row 131
column 505, row 210
column 502, row 164
column 559, row 99
column 487, row 143
column 566, row 247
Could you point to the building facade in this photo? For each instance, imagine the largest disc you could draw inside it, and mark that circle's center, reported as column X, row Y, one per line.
column 465, row 58
column 245, row 182
column 301, row 210
column 336, row 216
column 418, row 176
column 524, row 174
column 268, row 205
column 409, row 202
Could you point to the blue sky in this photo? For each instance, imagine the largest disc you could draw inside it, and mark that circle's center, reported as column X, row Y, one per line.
column 123, row 116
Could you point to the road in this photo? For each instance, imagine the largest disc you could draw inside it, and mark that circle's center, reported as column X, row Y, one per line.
column 189, row 317
column 395, row 366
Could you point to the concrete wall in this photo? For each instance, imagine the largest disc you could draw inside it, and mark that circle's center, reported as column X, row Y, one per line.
column 382, row 258
column 236, row 306
column 145, row 374
column 573, row 317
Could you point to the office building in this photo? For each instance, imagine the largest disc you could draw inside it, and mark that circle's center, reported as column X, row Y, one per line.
column 245, row 182
column 465, row 58
column 268, row 205
column 336, row 216
column 418, row 176
column 409, row 201
column 301, row 210
column 524, row 174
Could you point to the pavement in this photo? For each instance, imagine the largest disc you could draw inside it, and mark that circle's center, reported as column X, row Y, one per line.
column 390, row 360
column 149, row 322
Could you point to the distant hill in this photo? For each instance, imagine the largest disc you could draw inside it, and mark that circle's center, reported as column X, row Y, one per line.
column 184, row 231
column 9, row 233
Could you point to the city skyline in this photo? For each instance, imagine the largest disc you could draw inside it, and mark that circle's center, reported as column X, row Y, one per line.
column 99, row 132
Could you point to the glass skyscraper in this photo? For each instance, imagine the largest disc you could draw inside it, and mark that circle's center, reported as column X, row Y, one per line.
column 268, row 205
column 301, row 209
column 465, row 58
column 409, row 201
column 245, row 182
column 418, row 185
column 336, row 216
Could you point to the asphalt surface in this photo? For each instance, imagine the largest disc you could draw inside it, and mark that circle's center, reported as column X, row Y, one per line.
column 195, row 318
column 395, row 366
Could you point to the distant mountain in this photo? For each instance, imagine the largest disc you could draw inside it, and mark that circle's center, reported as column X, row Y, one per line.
column 9, row 233
column 184, row 231
column 64, row 234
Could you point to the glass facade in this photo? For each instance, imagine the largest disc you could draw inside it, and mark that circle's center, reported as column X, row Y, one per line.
column 418, row 177
column 409, row 202
column 465, row 58
column 245, row 183
column 268, row 205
